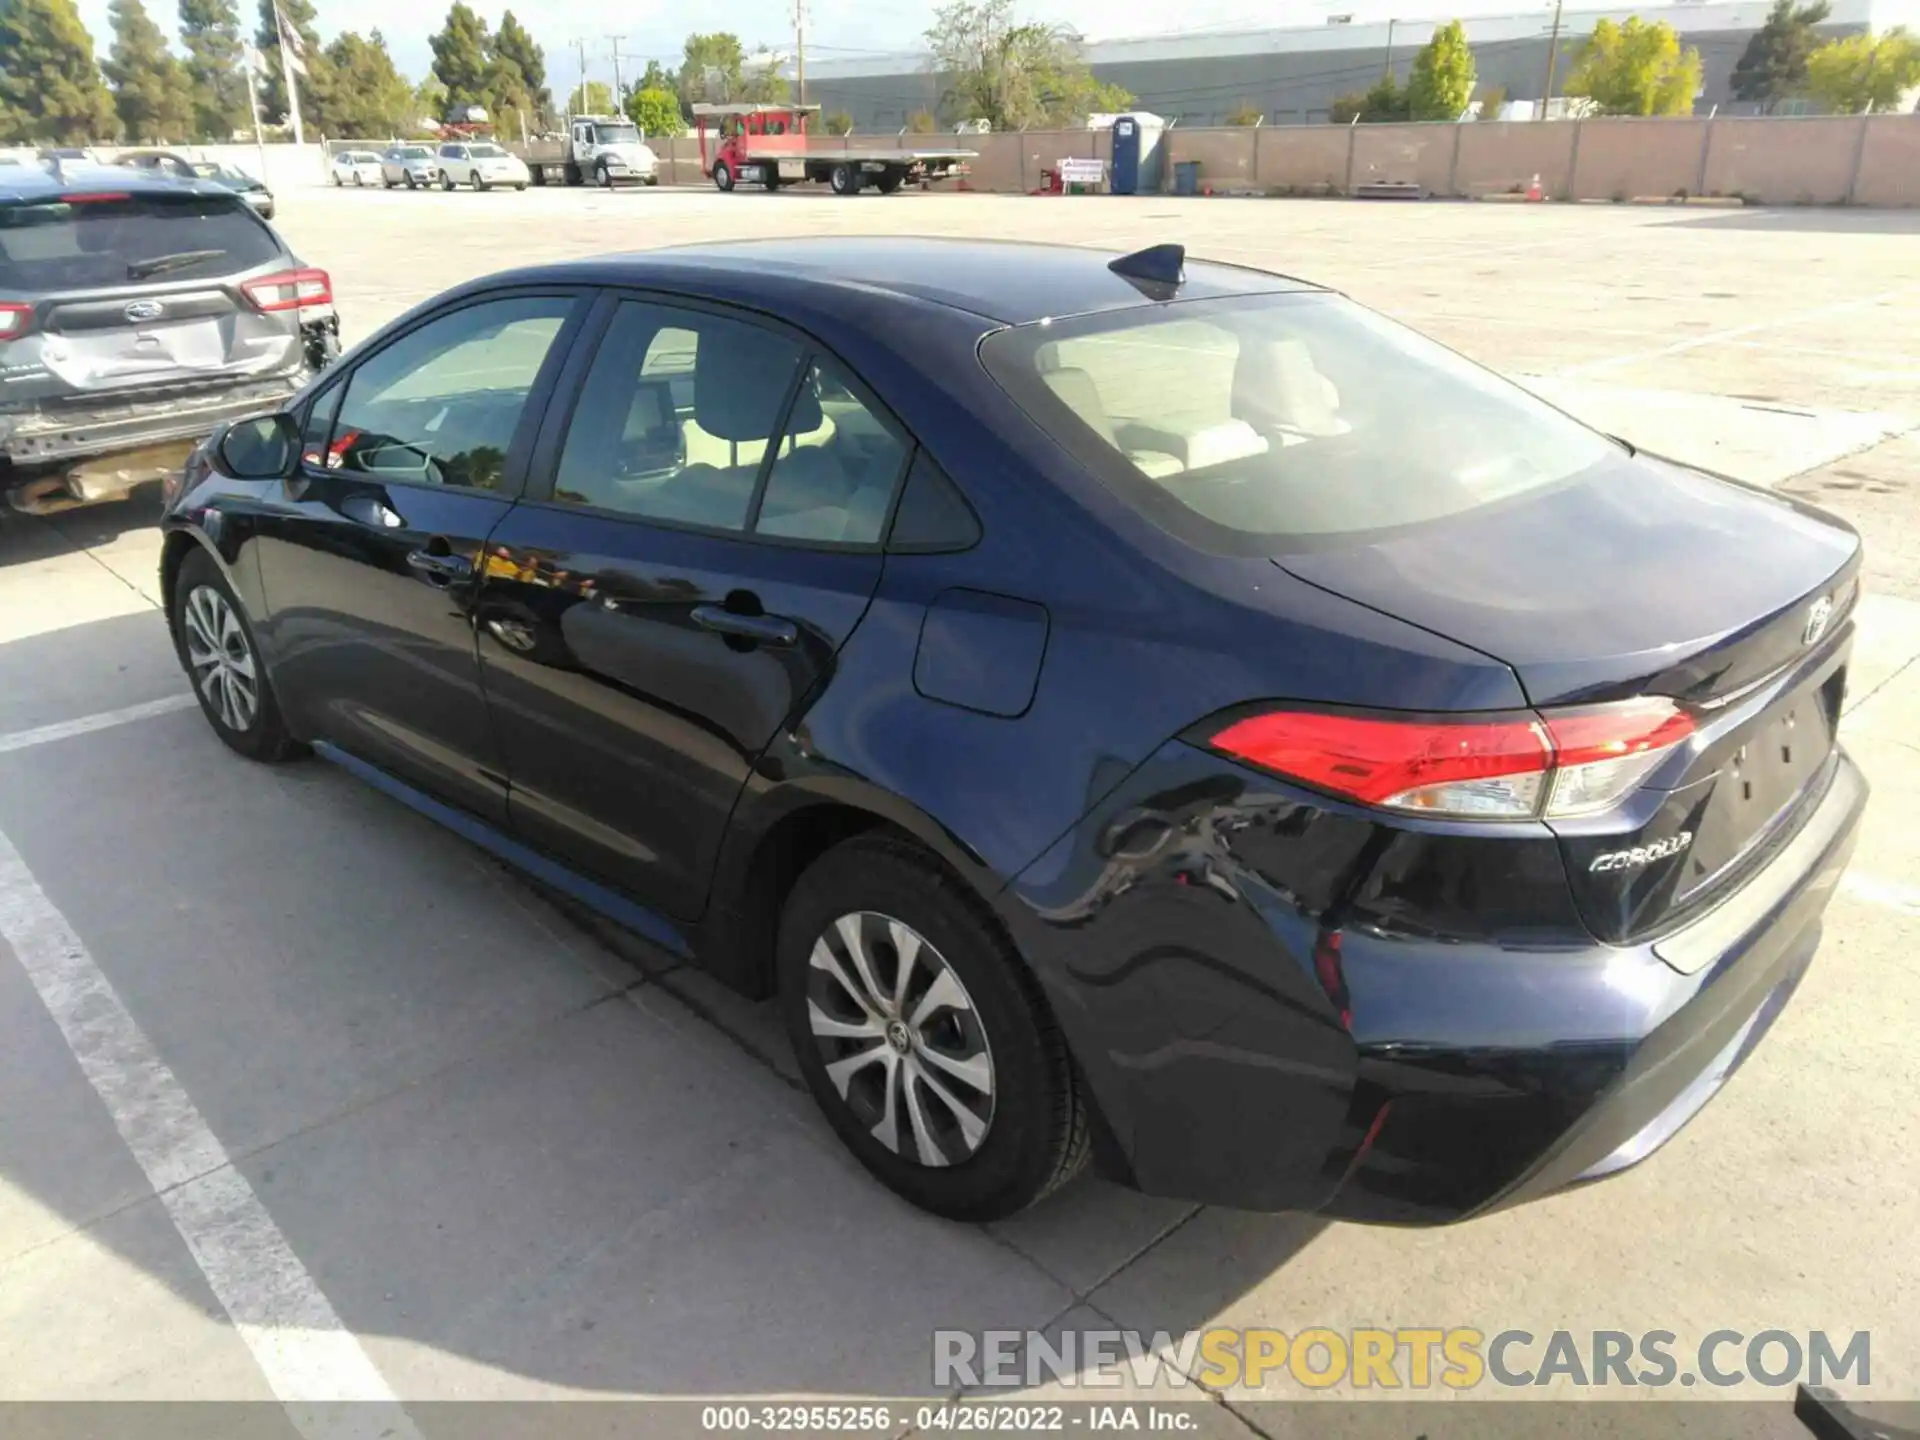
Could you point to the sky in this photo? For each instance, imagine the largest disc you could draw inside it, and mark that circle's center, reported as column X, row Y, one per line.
column 836, row 29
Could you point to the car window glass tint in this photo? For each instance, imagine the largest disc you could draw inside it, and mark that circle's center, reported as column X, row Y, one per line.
column 440, row 405
column 838, row 463
column 1285, row 416
column 59, row 245
column 675, row 417
column 932, row 515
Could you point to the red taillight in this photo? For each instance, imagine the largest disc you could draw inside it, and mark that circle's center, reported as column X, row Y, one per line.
column 289, row 290
column 1512, row 766
column 15, row 319
column 95, row 197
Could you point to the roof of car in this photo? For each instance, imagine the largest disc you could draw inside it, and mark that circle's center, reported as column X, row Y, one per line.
column 31, row 182
column 1012, row 282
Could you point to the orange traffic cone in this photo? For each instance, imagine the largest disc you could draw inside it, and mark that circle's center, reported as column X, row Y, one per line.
column 1533, row 189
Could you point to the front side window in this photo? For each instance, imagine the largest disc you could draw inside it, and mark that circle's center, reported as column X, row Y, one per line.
column 1265, row 422
column 451, row 152
column 440, row 405
column 675, row 417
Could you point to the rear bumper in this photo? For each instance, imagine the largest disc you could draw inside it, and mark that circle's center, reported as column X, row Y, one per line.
column 1247, row 1044
column 73, row 433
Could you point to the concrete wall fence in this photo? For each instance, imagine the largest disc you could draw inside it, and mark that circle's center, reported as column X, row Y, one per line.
column 1871, row 160
column 1788, row 160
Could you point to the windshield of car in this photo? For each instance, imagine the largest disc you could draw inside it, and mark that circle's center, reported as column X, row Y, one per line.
column 208, row 170
column 486, row 152
column 616, row 135
column 66, row 244
column 1249, row 423
column 412, row 152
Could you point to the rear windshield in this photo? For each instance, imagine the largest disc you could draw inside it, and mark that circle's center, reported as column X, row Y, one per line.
column 74, row 244
column 1269, row 422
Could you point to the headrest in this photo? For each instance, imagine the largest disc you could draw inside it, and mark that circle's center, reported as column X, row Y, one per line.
column 740, row 376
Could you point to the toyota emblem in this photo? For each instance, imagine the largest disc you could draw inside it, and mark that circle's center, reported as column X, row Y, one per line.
column 144, row 310
column 1818, row 614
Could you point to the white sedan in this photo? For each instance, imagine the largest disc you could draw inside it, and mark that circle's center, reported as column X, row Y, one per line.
column 482, row 165
column 355, row 167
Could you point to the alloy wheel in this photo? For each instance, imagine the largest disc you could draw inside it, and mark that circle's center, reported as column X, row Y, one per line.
column 900, row 1039
column 221, row 658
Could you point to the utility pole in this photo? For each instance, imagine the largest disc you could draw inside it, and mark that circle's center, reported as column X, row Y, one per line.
column 1387, row 69
column 614, row 41
column 800, row 49
column 1553, row 54
column 580, row 95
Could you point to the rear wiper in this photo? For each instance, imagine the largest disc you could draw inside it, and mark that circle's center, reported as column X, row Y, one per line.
column 141, row 269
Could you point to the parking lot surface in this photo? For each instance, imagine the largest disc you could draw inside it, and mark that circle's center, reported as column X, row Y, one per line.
column 488, row 1155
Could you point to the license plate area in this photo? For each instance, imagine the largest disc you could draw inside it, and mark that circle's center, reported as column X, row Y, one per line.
column 1768, row 766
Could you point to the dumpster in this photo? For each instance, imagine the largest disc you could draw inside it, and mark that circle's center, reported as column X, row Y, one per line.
column 1186, row 177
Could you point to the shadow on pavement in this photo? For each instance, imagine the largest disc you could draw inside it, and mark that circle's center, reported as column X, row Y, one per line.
column 516, row 1165
column 1833, row 219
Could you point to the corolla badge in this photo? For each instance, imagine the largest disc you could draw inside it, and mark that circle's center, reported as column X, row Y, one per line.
column 1640, row 854
column 140, row 310
column 1818, row 614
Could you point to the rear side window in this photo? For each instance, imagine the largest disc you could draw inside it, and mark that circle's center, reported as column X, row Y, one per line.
column 71, row 244
column 1268, row 422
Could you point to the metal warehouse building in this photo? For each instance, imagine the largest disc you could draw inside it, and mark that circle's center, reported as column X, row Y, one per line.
column 1293, row 75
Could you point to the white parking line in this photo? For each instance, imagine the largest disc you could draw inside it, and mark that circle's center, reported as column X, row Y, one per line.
column 310, row 1360
column 1887, row 894
column 87, row 724
column 1738, row 332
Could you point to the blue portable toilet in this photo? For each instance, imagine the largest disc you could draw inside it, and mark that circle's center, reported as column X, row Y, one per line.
column 1138, row 155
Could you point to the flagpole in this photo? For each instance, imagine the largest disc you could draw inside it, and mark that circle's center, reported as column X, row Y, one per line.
column 248, row 56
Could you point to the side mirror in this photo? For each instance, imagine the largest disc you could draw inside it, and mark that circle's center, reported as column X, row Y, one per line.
column 265, row 447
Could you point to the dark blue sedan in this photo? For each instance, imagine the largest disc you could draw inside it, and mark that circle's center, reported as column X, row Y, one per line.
column 1125, row 709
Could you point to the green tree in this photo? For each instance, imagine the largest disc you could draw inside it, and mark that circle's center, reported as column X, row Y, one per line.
column 1013, row 74
column 598, row 99
column 273, row 89
column 1865, row 71
column 517, row 76
column 1383, row 103
column 1636, row 68
column 710, row 68
column 1245, row 113
column 1493, row 100
column 656, row 111
column 429, row 101
column 1441, row 82
column 149, row 84
column 365, row 95
column 210, row 31
column 460, row 58
column 1773, row 67
column 839, row 122
column 50, row 87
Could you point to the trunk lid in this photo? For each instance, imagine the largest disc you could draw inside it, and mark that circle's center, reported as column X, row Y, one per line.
column 1638, row 577
column 137, row 290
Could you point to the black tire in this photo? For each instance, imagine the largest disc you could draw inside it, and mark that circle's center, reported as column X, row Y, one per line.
column 1035, row 1137
column 723, row 175
column 572, row 173
column 263, row 736
column 480, row 183
column 889, row 182
column 446, row 181
column 520, row 187
column 410, row 181
column 539, row 177
column 771, row 177
column 336, row 179
column 359, row 179
column 602, row 176
column 385, row 184
column 845, row 179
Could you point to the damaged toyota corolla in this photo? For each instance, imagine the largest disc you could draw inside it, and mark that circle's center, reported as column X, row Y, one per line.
column 136, row 313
